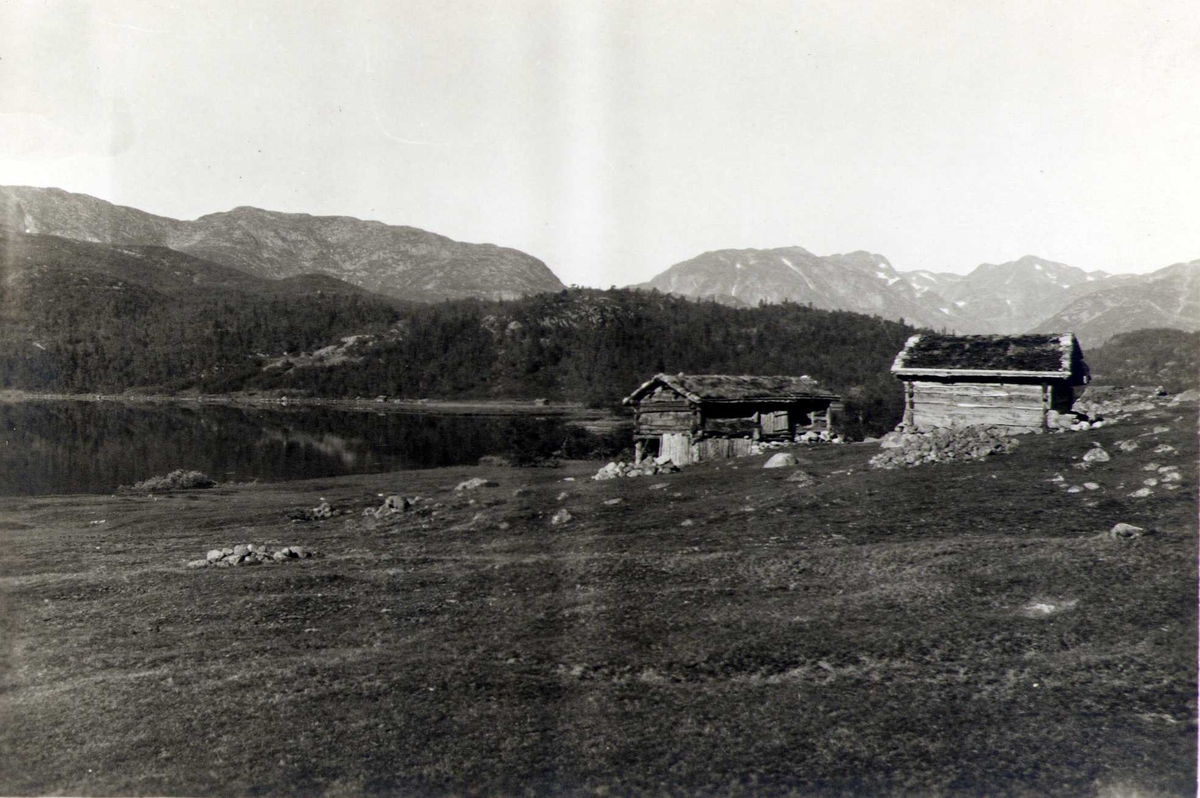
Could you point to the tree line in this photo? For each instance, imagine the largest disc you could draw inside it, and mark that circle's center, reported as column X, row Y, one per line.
column 583, row 345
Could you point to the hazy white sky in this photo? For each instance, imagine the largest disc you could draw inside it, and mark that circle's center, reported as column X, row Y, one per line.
column 612, row 139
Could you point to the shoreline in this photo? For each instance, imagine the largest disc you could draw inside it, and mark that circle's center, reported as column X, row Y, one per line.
column 572, row 411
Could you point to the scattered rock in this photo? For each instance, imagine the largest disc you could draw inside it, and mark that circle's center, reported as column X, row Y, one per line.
column 476, row 482
column 660, row 486
column 1159, row 430
column 1150, row 483
column 198, row 563
column 1150, row 467
column 1124, row 531
column 802, row 478
column 1187, row 396
column 214, row 555
column 1127, row 446
column 1096, row 455
column 1171, row 476
column 521, row 492
column 1092, row 485
column 1141, row 493
column 614, row 501
column 1074, row 489
column 1042, row 608
column 563, row 516
column 687, row 522
column 562, row 496
column 781, row 460
column 1164, row 448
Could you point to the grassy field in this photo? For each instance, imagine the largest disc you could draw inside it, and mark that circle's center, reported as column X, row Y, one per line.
column 959, row 629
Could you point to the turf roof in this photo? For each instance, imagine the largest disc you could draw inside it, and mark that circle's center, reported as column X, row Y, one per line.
column 1039, row 353
column 729, row 388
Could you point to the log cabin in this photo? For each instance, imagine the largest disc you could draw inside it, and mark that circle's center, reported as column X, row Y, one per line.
column 693, row 417
column 1010, row 381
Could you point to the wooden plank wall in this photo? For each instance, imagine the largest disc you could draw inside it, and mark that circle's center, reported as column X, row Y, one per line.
column 722, row 448
column 983, row 404
column 677, row 446
column 776, row 422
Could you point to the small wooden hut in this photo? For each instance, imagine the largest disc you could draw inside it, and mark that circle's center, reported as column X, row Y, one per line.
column 691, row 417
column 989, row 380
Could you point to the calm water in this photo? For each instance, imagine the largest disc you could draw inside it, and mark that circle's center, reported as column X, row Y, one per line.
column 94, row 447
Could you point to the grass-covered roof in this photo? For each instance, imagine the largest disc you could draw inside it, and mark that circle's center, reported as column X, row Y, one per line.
column 1035, row 353
column 729, row 388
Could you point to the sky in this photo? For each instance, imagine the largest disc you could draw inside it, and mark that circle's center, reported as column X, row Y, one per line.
column 615, row 138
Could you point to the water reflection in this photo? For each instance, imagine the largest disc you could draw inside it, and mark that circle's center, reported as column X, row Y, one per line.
column 93, row 447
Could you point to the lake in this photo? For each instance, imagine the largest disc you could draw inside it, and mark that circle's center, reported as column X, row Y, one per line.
column 49, row 447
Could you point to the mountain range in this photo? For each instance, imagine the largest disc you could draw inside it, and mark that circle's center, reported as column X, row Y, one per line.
column 402, row 262
column 1029, row 294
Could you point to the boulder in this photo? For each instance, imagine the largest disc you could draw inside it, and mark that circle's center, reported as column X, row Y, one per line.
column 241, row 550
column 1187, row 396
column 476, row 482
column 781, row 460
column 214, row 555
column 563, row 516
column 1126, row 531
column 198, row 563
column 1097, row 455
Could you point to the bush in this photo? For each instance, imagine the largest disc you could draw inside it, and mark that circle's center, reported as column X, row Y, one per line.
column 176, row 480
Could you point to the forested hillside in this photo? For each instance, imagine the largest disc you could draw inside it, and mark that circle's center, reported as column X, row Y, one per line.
column 94, row 318
column 1160, row 357
column 597, row 346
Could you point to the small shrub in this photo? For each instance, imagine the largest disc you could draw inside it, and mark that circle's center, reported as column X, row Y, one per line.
column 176, row 480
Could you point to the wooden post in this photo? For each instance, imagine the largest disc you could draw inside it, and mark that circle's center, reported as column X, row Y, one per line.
column 639, row 449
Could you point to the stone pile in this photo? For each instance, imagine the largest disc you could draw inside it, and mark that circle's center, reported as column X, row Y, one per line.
column 250, row 554
column 322, row 510
column 391, row 506
column 649, row 468
column 824, row 436
column 912, row 448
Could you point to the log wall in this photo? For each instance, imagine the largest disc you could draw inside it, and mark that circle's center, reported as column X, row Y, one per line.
column 958, row 404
